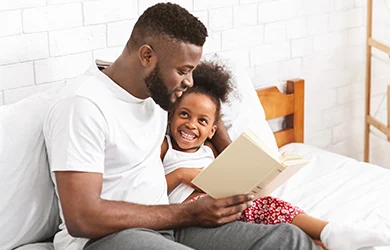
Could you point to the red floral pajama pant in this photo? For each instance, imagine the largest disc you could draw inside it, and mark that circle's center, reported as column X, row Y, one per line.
column 268, row 210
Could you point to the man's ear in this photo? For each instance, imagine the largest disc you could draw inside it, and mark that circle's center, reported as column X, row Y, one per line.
column 147, row 56
column 212, row 132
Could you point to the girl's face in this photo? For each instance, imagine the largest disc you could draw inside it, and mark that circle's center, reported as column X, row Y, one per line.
column 192, row 122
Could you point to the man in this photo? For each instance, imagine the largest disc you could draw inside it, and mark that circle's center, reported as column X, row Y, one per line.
column 103, row 143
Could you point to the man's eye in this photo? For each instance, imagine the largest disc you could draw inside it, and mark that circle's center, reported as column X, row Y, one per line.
column 183, row 72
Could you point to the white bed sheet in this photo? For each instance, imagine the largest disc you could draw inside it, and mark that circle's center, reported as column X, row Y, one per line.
column 337, row 188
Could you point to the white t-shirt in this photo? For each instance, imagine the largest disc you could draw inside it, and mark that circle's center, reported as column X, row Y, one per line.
column 175, row 159
column 102, row 128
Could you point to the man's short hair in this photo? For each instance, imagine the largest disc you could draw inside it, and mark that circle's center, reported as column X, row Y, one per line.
column 171, row 20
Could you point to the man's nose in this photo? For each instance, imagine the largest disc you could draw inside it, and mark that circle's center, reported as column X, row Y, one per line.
column 188, row 82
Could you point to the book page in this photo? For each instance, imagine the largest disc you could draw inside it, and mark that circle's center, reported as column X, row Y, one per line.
column 291, row 160
column 252, row 136
column 279, row 180
column 239, row 168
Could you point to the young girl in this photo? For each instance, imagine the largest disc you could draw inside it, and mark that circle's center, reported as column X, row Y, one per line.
column 187, row 149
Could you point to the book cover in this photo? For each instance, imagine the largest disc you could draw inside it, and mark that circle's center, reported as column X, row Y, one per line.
column 246, row 166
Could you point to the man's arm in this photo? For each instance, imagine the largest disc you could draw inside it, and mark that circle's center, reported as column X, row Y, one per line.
column 221, row 138
column 87, row 215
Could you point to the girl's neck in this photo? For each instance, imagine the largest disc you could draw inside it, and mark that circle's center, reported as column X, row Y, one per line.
column 175, row 146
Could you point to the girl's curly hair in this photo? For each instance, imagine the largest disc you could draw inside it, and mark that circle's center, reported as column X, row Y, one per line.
column 214, row 80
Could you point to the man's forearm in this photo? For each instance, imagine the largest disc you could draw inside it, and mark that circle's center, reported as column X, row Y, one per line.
column 113, row 216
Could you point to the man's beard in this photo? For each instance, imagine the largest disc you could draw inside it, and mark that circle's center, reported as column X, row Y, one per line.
column 157, row 89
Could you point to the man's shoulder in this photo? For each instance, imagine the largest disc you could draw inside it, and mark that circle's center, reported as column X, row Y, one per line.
column 74, row 111
column 74, row 101
column 74, row 106
column 85, row 86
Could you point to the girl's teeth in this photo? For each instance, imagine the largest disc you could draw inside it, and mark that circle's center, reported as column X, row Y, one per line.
column 187, row 136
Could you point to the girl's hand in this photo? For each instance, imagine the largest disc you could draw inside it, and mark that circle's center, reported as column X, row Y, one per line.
column 188, row 174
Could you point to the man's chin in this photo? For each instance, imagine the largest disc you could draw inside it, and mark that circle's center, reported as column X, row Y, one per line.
column 173, row 98
column 165, row 105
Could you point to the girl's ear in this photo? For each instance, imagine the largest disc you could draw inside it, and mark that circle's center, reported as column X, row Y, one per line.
column 212, row 131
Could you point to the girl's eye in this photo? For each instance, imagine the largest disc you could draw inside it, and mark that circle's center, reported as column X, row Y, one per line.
column 203, row 121
column 183, row 114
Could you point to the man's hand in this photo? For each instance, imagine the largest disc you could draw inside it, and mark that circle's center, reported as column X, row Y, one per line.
column 209, row 212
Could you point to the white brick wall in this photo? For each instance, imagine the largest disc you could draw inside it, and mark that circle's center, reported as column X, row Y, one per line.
column 16, row 75
column 53, row 2
column 109, row 54
column 23, row 47
column 242, row 37
column 84, row 38
column 60, row 68
column 301, row 47
column 272, row 52
column 214, row 42
column 290, row 69
column 96, row 12
column 343, row 5
column 278, row 10
column 346, row 19
column 46, row 42
column 119, row 32
column 296, row 28
column 206, row 4
column 245, row 15
column 20, row 4
column 52, row 17
column 329, row 41
column 275, row 32
column 221, row 19
column 14, row 23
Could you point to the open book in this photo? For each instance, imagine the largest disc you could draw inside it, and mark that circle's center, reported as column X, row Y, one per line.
column 247, row 166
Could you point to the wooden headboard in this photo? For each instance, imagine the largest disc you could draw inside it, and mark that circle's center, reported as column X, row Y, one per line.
column 290, row 106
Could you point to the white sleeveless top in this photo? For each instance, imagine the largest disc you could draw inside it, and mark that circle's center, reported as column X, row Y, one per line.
column 175, row 159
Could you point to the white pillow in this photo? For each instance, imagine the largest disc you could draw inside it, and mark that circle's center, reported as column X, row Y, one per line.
column 28, row 208
column 244, row 109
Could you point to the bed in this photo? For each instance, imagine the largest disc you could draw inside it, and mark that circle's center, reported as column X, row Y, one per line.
column 331, row 187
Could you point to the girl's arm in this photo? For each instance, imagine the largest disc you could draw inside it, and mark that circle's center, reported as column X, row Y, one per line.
column 186, row 175
column 180, row 175
column 173, row 179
